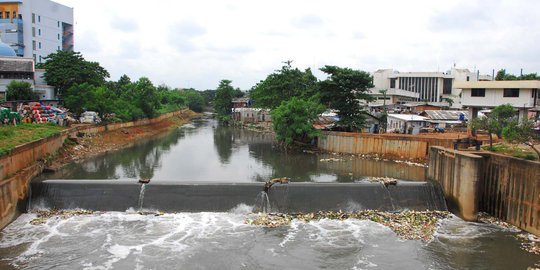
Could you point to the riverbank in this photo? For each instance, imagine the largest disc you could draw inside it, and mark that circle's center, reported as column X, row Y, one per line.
column 90, row 145
column 76, row 143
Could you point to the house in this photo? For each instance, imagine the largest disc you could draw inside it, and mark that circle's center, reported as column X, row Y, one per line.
column 417, row 107
column 251, row 115
column 522, row 95
column 241, row 102
column 444, row 118
column 405, row 123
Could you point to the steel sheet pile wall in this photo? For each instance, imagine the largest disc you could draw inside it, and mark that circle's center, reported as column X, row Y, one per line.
column 511, row 191
column 504, row 187
column 391, row 145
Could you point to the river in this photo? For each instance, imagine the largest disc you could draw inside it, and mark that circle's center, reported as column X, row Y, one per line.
column 203, row 151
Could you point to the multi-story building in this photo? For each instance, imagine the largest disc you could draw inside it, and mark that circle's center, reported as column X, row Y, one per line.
column 36, row 28
column 423, row 86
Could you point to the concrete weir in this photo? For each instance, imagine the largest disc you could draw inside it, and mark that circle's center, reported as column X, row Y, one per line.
column 120, row 195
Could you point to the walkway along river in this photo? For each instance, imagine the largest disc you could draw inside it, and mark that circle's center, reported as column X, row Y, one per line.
column 204, row 152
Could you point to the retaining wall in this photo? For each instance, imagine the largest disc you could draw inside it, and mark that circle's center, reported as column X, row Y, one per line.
column 25, row 162
column 391, row 145
column 505, row 187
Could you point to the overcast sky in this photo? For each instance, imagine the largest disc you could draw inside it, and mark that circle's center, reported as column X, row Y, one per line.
column 198, row 43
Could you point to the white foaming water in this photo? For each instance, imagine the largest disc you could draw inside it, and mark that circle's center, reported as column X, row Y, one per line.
column 128, row 240
column 188, row 126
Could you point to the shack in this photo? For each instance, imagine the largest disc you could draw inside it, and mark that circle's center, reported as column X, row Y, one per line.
column 405, row 123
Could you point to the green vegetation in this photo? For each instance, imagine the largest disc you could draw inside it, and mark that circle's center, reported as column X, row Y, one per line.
column 11, row 137
column 284, row 85
column 496, row 121
column 503, row 76
column 83, row 87
column 343, row 90
column 223, row 100
column 514, row 150
column 293, row 120
column 18, row 90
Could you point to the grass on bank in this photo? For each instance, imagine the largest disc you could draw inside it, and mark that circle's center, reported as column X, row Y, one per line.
column 11, row 137
column 515, row 150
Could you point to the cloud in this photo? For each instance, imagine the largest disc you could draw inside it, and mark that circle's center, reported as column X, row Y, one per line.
column 188, row 29
column 308, row 21
column 125, row 24
column 468, row 16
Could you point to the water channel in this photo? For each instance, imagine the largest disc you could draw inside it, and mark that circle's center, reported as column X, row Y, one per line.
column 205, row 152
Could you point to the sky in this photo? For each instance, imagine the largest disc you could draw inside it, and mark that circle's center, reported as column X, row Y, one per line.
column 195, row 44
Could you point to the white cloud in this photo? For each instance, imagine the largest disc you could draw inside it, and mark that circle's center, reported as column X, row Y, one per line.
column 197, row 43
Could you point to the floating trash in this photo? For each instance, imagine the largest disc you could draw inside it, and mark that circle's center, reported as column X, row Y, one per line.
column 409, row 225
column 44, row 215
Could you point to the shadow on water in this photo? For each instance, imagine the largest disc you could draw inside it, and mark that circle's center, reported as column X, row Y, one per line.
column 207, row 151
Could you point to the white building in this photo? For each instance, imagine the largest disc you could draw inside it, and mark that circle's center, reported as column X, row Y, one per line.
column 405, row 123
column 36, row 28
column 428, row 86
column 522, row 95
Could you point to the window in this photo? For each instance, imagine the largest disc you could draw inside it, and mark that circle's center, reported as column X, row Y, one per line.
column 39, row 18
column 39, row 45
column 34, row 57
column 447, row 86
column 468, row 78
column 58, row 23
column 14, row 15
column 40, row 58
column 33, row 18
column 478, row 92
column 58, row 47
column 7, row 14
column 1, row 15
column 511, row 92
column 393, row 83
column 33, row 31
column 33, row 45
column 39, row 32
column 58, row 36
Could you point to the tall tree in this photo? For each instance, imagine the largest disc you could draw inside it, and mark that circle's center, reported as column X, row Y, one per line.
column 496, row 121
column 223, row 100
column 346, row 90
column 65, row 69
column 19, row 90
column 282, row 86
column 293, row 120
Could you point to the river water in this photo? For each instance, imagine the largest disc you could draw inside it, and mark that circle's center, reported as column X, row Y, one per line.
column 203, row 151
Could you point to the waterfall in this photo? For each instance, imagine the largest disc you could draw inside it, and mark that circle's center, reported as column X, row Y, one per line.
column 141, row 196
column 262, row 203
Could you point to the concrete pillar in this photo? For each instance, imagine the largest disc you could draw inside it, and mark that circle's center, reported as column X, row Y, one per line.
column 473, row 113
column 523, row 115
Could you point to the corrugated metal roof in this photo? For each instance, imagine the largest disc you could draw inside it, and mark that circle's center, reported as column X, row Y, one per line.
column 408, row 117
column 445, row 115
column 16, row 65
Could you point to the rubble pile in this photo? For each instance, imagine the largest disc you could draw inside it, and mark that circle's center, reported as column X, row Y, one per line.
column 384, row 180
column 44, row 215
column 409, row 225
column 488, row 219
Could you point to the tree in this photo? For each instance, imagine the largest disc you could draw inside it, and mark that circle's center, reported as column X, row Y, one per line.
column 496, row 121
column 18, row 90
column 343, row 90
column 65, row 69
column 503, row 76
column 223, row 100
column 293, row 120
column 146, row 96
column 195, row 101
column 282, row 86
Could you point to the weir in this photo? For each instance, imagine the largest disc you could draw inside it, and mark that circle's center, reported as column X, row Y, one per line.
column 120, row 195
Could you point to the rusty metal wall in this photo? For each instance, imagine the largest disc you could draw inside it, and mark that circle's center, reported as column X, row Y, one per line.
column 391, row 145
column 505, row 187
column 511, row 191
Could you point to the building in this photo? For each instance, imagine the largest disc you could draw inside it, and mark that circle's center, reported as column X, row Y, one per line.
column 522, row 95
column 391, row 97
column 22, row 69
column 428, row 86
column 36, row 28
column 405, row 123
column 241, row 102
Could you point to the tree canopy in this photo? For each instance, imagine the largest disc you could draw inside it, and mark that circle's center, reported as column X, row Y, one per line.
column 344, row 90
column 503, row 76
column 496, row 121
column 65, row 69
column 282, row 85
column 293, row 120
column 223, row 100
column 19, row 90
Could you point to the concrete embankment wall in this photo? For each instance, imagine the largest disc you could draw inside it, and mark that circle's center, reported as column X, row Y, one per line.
column 118, row 195
column 391, row 145
column 25, row 162
column 504, row 187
